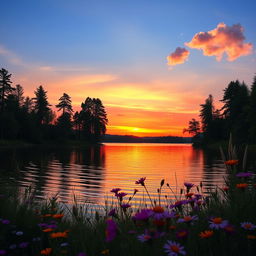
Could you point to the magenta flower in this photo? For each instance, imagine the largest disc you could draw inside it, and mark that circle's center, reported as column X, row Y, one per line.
column 174, row 248
column 121, row 195
column 2, row 252
column 111, row 230
column 6, row 222
column 248, row 226
column 143, row 214
column 141, row 181
column 112, row 212
column 217, row 223
column 244, row 174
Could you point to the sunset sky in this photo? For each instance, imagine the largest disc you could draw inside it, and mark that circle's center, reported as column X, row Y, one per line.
column 152, row 63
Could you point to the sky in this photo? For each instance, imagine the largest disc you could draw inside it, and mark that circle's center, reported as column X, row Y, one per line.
column 152, row 63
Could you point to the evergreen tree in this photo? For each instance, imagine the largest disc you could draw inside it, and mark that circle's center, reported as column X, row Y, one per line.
column 42, row 106
column 252, row 112
column 5, row 86
column 19, row 95
column 65, row 104
column 193, row 127
column 206, row 114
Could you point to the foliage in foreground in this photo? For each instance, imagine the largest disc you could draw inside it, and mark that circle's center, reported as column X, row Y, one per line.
column 221, row 223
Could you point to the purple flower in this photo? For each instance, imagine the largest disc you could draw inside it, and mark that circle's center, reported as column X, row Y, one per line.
column 144, row 237
column 42, row 225
column 115, row 190
column 111, row 230
column 188, row 185
column 178, row 204
column 2, row 252
column 217, row 223
column 125, row 206
column 36, row 239
column 187, row 219
column 52, row 226
column 141, row 181
column 248, row 226
column 144, row 214
column 149, row 235
column 23, row 245
column 6, row 222
column 244, row 174
column 112, row 212
column 181, row 234
column 19, row 233
column 198, row 196
column 174, row 248
column 230, row 229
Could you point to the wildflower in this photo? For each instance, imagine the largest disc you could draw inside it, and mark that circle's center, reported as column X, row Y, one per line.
column 172, row 227
column 231, row 162
column 42, row 225
column 206, row 234
column 46, row 251
column 141, row 181
column 19, row 233
column 36, row 239
column 181, row 234
column 125, row 206
column 230, row 229
column 144, row 214
column 244, row 174
column 59, row 235
column 252, row 237
column 135, row 191
column 144, row 238
column 121, row 195
column 112, row 212
column 47, row 230
column 248, row 226
column 225, row 189
column 217, row 223
column 57, row 216
column 2, row 252
column 24, row 244
column 105, row 252
column 6, row 222
column 174, row 248
column 242, row 185
column 198, row 196
column 188, row 185
column 187, row 219
column 115, row 190
column 178, row 204
column 111, row 230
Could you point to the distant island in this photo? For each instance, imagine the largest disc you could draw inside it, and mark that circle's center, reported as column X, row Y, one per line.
column 135, row 139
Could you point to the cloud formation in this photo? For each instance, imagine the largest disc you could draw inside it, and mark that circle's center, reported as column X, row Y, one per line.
column 179, row 56
column 223, row 39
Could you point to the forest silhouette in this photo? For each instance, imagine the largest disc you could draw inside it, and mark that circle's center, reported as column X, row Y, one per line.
column 237, row 116
column 33, row 120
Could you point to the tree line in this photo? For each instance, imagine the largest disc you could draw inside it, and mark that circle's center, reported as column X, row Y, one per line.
column 237, row 116
column 33, row 120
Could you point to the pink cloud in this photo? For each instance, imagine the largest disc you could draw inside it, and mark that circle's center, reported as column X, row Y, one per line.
column 179, row 56
column 223, row 39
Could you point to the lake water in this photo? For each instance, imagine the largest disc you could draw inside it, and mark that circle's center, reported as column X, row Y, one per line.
column 91, row 172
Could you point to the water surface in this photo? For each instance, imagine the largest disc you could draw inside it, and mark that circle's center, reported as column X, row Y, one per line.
column 91, row 172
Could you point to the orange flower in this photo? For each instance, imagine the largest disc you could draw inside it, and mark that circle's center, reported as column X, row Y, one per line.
column 48, row 230
column 206, row 234
column 59, row 234
column 158, row 209
column 231, row 162
column 57, row 216
column 46, row 251
column 217, row 220
column 242, row 185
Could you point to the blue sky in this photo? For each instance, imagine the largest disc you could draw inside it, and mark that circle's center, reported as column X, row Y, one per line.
column 124, row 44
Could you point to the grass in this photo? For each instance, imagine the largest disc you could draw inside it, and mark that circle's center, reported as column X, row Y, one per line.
column 193, row 224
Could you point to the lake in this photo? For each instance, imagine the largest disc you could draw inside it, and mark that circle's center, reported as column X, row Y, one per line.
column 91, row 172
